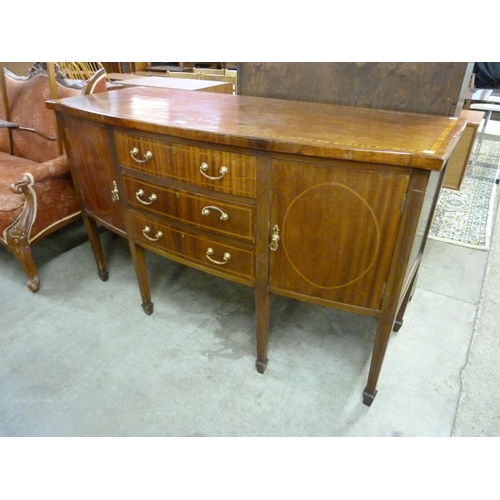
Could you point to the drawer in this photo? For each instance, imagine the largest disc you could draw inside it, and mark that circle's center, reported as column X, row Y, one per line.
column 226, row 218
column 209, row 168
column 226, row 259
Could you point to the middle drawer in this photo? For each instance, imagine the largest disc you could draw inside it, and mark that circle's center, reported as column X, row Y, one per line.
column 204, row 212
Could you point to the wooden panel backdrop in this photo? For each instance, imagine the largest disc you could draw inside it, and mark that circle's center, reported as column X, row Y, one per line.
column 435, row 88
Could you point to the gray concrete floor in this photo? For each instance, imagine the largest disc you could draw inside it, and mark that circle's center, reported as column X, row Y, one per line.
column 80, row 358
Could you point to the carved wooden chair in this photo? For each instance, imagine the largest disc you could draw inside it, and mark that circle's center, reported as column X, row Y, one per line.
column 37, row 196
column 79, row 70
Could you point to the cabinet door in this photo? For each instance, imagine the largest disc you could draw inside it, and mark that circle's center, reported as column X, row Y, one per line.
column 92, row 166
column 338, row 225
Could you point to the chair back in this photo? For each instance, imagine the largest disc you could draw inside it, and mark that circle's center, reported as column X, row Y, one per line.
column 25, row 106
column 79, row 70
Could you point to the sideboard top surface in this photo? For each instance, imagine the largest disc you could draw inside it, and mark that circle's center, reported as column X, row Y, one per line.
column 277, row 125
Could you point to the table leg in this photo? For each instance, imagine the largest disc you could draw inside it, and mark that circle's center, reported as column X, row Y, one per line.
column 262, row 316
column 402, row 309
column 139, row 258
column 384, row 330
column 95, row 244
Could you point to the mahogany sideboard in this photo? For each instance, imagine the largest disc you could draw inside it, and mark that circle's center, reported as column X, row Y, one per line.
column 317, row 202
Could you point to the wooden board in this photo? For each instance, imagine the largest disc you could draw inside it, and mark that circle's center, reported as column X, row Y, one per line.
column 434, row 88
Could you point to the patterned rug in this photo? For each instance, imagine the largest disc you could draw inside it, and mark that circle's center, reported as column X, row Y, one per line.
column 465, row 217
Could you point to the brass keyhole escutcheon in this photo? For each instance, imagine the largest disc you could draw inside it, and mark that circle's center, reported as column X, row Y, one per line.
column 275, row 238
column 115, row 195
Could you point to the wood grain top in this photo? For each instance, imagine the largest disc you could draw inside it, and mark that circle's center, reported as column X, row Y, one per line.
column 324, row 130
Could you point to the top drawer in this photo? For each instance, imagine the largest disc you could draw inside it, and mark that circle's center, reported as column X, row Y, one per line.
column 208, row 168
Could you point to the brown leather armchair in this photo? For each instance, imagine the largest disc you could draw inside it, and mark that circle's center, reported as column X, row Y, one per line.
column 37, row 196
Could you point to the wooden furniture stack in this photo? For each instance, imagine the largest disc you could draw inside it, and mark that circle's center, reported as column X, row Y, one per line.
column 324, row 203
column 179, row 84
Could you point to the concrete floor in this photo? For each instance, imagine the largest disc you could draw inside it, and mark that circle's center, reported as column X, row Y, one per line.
column 80, row 358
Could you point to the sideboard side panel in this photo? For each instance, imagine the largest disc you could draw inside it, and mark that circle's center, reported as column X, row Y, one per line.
column 92, row 162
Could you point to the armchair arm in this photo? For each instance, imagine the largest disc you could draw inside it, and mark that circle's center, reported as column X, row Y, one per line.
column 56, row 167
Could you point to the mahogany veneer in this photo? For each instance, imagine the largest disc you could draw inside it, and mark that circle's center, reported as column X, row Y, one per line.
column 317, row 202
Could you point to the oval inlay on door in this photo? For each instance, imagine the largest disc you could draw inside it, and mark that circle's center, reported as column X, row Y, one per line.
column 332, row 230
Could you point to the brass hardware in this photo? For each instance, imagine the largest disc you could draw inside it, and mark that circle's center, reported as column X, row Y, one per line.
column 206, row 211
column 204, row 167
column 146, row 232
column 140, row 193
column 115, row 195
column 275, row 238
column 210, row 251
column 147, row 156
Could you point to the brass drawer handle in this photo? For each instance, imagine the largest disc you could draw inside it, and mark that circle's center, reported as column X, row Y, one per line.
column 140, row 193
column 210, row 251
column 147, row 156
column 156, row 237
column 206, row 211
column 204, row 167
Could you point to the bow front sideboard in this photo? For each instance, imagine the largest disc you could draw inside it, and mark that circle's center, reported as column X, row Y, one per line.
column 317, row 202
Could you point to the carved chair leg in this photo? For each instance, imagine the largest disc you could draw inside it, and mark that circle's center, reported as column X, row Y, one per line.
column 17, row 235
column 21, row 250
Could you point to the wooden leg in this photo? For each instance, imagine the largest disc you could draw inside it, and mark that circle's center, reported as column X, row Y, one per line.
column 139, row 258
column 95, row 244
column 368, row 397
column 17, row 235
column 380, row 346
column 262, row 315
column 387, row 324
column 22, row 252
column 402, row 309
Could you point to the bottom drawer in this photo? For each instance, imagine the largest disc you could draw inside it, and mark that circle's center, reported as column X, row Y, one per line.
column 219, row 257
